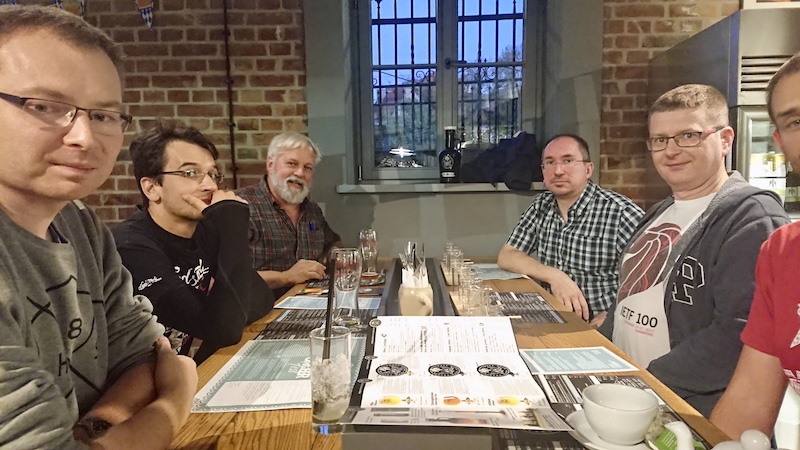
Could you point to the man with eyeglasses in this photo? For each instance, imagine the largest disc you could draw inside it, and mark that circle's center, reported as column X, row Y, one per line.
column 770, row 357
column 688, row 272
column 77, row 356
column 290, row 239
column 187, row 247
column 572, row 236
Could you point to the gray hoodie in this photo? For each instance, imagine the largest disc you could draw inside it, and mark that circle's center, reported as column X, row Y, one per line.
column 704, row 331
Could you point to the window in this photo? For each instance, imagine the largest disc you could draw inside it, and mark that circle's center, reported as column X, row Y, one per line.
column 427, row 64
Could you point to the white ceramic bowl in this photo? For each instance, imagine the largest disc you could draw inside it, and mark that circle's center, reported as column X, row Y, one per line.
column 619, row 414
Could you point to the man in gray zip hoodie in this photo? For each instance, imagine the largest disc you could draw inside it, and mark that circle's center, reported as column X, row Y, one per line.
column 687, row 275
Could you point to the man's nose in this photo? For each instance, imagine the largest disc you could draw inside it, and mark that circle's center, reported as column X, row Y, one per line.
column 79, row 131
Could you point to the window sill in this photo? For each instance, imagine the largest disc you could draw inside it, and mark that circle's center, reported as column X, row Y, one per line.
column 429, row 188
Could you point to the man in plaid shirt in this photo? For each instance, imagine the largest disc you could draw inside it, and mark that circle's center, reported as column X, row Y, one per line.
column 572, row 236
column 289, row 236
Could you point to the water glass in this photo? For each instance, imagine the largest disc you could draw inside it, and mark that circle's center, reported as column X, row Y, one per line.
column 331, row 382
column 347, row 280
column 368, row 240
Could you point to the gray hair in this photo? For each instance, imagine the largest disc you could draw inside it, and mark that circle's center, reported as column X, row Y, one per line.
column 790, row 67
column 16, row 19
column 292, row 141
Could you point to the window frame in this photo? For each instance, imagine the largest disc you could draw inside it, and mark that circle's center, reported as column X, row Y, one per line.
column 531, row 92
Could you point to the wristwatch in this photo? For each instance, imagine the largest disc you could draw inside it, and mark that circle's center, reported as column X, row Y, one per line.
column 90, row 428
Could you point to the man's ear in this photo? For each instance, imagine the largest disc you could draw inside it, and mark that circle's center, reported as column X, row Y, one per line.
column 151, row 189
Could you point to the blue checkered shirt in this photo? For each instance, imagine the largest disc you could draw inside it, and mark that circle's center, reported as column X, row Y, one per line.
column 588, row 246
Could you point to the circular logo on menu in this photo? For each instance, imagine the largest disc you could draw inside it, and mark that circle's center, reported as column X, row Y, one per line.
column 391, row 370
column 444, row 370
column 493, row 370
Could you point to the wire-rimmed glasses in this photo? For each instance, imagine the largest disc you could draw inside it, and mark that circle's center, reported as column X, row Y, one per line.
column 196, row 175
column 685, row 139
column 60, row 114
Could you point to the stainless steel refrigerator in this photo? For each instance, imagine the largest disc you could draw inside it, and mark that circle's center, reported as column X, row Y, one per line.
column 738, row 55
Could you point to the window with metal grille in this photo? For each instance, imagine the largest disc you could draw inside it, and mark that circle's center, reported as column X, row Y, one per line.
column 427, row 64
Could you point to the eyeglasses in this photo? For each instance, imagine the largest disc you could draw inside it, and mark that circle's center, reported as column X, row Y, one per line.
column 59, row 114
column 196, row 175
column 566, row 164
column 685, row 139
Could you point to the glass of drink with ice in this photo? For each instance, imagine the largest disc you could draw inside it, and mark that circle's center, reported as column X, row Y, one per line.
column 330, row 378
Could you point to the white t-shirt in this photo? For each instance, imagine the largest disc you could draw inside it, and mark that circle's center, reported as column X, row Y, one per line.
column 640, row 322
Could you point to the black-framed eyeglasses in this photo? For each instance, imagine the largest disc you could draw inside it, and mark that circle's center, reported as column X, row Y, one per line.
column 196, row 175
column 685, row 139
column 566, row 164
column 60, row 114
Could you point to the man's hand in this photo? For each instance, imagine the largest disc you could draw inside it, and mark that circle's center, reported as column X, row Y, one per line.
column 216, row 197
column 568, row 293
column 598, row 319
column 176, row 377
column 303, row 271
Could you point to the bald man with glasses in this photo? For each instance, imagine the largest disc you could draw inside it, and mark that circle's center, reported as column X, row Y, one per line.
column 187, row 247
column 571, row 237
column 687, row 276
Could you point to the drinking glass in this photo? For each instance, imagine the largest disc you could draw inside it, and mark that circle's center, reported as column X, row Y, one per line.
column 347, row 280
column 368, row 240
column 330, row 378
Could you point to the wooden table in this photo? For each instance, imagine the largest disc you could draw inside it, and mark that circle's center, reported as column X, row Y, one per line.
column 291, row 428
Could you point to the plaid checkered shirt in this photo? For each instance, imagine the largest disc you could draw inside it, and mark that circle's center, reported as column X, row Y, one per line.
column 275, row 242
column 588, row 246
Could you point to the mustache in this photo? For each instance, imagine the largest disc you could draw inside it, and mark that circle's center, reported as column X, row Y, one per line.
column 297, row 180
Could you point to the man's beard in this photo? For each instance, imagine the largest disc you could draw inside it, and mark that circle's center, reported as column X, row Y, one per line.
column 288, row 193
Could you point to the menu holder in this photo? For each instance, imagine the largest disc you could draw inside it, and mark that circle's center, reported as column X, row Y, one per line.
column 390, row 304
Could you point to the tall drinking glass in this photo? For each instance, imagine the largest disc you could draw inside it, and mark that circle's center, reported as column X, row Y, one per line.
column 347, row 280
column 330, row 378
column 368, row 240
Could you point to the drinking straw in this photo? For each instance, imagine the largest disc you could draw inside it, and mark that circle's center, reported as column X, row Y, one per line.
column 326, row 343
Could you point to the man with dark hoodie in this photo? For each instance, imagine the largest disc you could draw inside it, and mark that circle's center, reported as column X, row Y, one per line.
column 687, row 275
column 187, row 248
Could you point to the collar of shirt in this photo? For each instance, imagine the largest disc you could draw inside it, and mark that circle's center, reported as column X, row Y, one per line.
column 580, row 205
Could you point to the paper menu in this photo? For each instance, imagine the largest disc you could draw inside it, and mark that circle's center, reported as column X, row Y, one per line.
column 451, row 371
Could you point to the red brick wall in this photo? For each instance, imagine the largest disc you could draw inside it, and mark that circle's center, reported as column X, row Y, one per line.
column 178, row 70
column 634, row 32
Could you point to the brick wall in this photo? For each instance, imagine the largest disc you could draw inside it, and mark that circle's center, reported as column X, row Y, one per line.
column 634, row 32
column 178, row 70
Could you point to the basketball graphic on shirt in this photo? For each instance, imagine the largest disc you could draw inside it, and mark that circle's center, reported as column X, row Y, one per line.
column 647, row 264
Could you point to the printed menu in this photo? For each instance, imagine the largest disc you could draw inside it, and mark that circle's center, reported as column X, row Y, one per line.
column 450, row 371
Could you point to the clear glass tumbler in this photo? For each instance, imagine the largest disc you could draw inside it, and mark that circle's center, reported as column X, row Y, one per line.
column 368, row 240
column 347, row 280
column 331, row 382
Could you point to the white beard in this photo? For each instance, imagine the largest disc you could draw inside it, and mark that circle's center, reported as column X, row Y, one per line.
column 288, row 193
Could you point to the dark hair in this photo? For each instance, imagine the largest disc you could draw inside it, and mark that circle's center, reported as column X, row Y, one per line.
column 788, row 68
column 148, row 147
column 579, row 140
column 694, row 96
column 16, row 19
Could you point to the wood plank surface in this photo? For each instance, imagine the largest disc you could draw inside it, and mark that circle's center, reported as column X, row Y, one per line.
column 290, row 429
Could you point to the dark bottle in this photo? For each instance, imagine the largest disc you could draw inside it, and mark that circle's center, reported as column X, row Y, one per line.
column 450, row 158
column 792, row 201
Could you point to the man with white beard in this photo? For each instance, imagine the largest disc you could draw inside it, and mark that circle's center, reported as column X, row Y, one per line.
column 289, row 236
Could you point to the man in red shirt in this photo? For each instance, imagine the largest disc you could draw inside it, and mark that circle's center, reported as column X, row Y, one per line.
column 770, row 358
